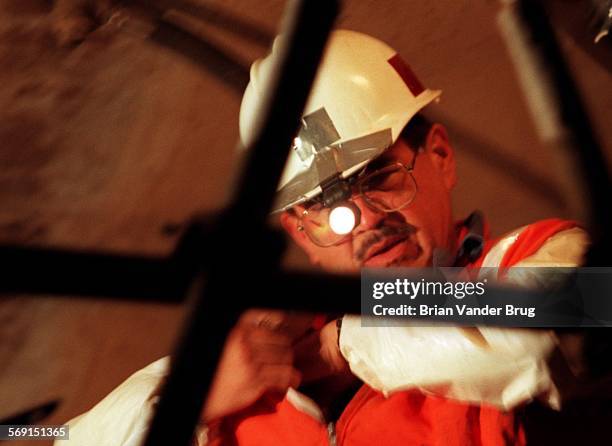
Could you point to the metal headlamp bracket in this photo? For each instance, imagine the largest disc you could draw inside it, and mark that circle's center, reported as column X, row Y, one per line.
column 335, row 190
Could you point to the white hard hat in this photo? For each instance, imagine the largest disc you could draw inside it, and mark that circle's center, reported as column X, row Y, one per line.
column 362, row 98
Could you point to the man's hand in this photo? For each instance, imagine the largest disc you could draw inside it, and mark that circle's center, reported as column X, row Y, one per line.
column 257, row 358
column 318, row 355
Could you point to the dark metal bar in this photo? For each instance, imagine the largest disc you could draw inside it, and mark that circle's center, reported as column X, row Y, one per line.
column 56, row 271
column 34, row 415
column 266, row 158
column 61, row 272
column 258, row 250
column 580, row 133
column 143, row 279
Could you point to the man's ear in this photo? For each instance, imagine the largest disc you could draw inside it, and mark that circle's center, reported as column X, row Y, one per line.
column 289, row 221
column 441, row 152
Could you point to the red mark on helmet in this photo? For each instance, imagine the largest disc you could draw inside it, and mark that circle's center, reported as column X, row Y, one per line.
column 407, row 75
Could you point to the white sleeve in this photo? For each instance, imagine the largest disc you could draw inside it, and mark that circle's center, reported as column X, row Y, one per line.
column 501, row 367
column 123, row 416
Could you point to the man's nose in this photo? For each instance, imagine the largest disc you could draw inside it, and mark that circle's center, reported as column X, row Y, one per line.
column 370, row 218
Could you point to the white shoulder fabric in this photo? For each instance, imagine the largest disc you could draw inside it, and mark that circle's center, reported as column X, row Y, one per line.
column 507, row 368
column 123, row 416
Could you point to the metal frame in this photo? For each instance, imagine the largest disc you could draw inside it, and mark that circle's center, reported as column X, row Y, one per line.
column 203, row 267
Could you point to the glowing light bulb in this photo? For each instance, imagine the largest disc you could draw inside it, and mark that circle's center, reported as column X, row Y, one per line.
column 342, row 220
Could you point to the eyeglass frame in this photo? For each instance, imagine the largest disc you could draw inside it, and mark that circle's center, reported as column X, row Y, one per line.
column 356, row 181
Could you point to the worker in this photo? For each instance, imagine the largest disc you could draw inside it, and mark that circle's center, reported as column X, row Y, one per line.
column 367, row 184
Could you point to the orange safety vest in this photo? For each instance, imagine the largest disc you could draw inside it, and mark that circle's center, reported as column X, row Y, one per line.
column 404, row 418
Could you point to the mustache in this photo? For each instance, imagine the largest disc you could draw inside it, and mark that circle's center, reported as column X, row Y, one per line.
column 380, row 234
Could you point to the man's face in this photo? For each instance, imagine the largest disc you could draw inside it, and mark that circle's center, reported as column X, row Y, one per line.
column 406, row 237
